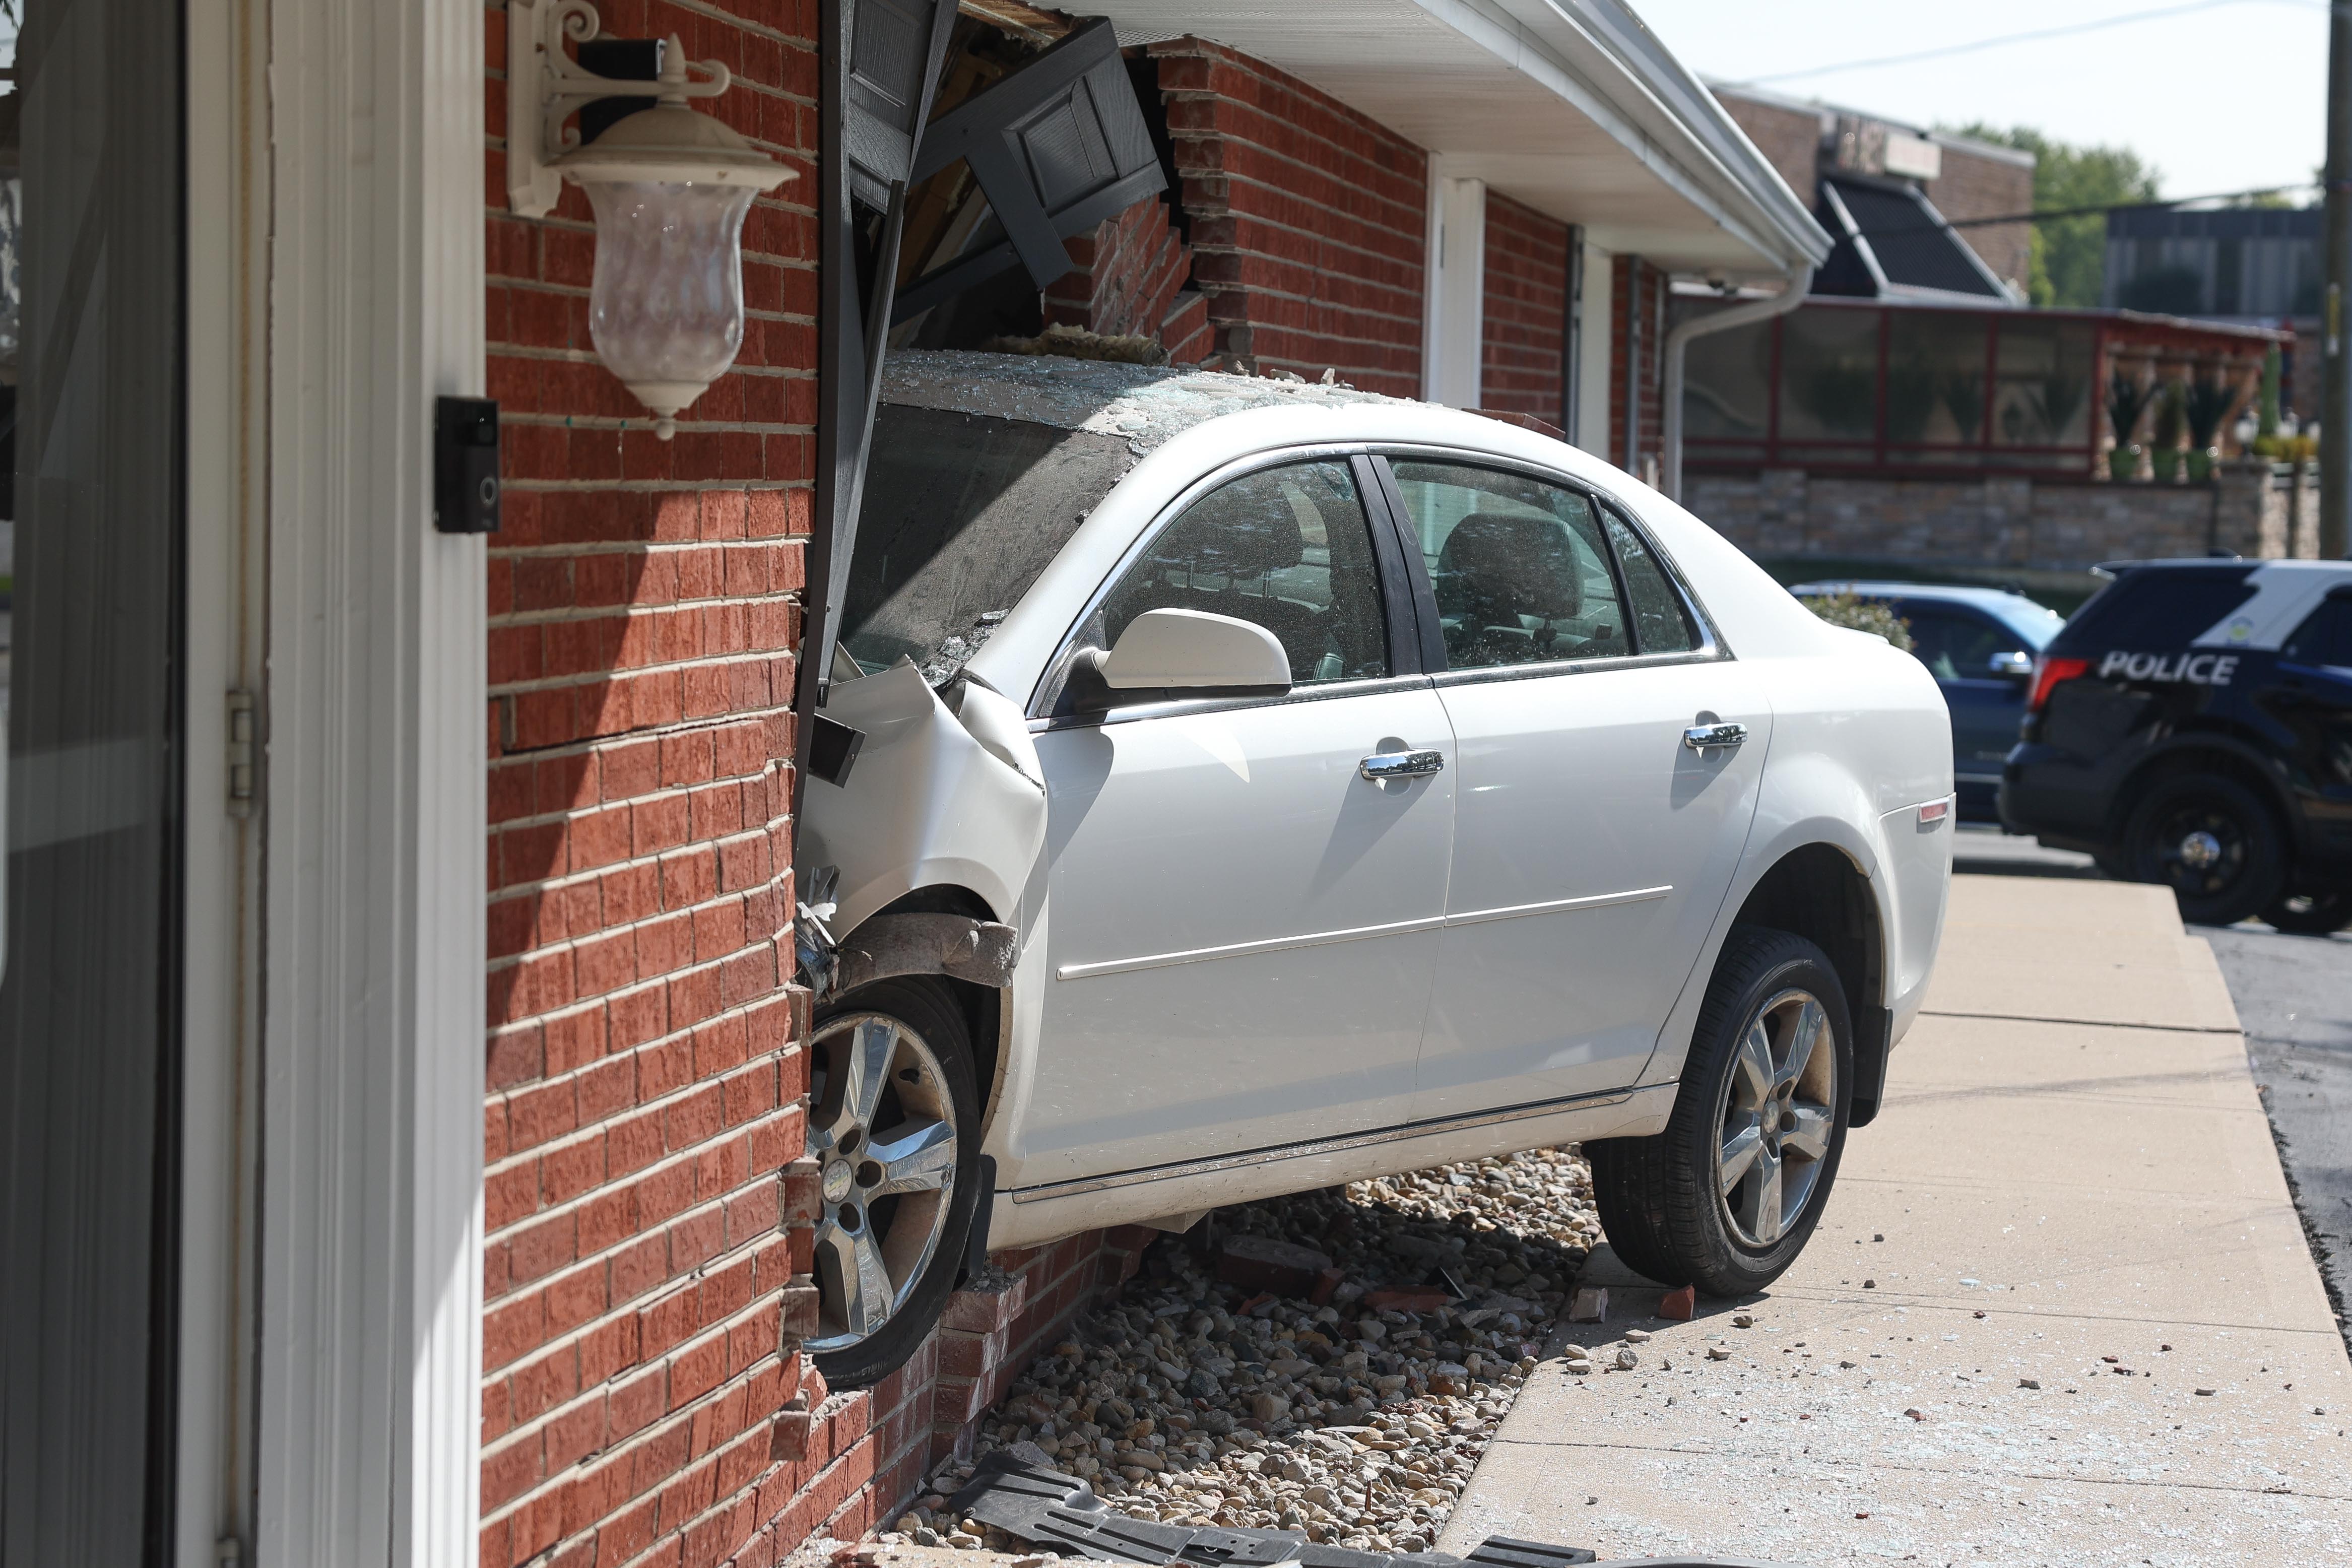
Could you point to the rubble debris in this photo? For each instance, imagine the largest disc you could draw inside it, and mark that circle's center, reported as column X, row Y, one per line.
column 1063, row 1513
column 1591, row 1305
column 1680, row 1305
column 1263, row 1263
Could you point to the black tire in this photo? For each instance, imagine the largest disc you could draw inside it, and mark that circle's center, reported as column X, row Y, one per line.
column 2310, row 914
column 1660, row 1199
column 927, row 1010
column 2214, row 842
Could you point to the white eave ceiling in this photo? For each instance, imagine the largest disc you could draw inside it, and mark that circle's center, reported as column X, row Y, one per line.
column 1569, row 106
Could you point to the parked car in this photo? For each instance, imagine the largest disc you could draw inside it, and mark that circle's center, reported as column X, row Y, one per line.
column 2191, row 725
column 1979, row 644
column 1261, row 785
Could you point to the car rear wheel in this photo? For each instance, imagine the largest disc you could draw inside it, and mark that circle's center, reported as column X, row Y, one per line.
column 894, row 1126
column 1726, row 1196
column 2212, row 841
column 2310, row 914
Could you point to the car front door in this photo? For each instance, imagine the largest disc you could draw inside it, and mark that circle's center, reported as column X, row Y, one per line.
column 1242, row 926
column 1592, row 845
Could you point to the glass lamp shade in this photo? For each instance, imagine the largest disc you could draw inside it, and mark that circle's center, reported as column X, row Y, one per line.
column 666, row 306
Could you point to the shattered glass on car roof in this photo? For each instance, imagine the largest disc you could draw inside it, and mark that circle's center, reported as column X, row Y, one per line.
column 1148, row 405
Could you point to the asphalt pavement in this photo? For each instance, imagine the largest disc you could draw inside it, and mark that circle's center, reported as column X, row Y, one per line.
column 2293, row 999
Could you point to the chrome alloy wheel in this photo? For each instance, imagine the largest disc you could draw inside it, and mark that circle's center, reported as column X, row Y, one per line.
column 1776, row 1118
column 883, row 1131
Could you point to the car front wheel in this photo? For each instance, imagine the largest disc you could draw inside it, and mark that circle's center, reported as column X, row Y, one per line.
column 894, row 1126
column 1726, row 1196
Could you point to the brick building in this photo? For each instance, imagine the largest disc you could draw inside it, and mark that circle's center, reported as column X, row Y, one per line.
column 1965, row 179
column 452, row 1205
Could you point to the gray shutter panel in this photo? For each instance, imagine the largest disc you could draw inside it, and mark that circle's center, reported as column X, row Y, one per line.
column 1057, row 146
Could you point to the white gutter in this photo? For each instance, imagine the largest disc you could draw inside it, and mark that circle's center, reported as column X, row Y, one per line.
column 1670, row 463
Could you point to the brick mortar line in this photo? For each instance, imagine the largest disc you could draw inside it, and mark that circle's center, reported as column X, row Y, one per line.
column 684, row 726
column 1214, row 248
column 1288, row 85
column 581, row 1138
column 616, row 1310
column 576, row 878
column 1263, row 293
column 706, row 661
column 1225, row 132
column 635, row 608
column 606, row 1257
column 685, row 1413
column 1271, row 221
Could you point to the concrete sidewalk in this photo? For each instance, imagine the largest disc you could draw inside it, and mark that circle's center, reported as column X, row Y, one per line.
column 2074, row 1183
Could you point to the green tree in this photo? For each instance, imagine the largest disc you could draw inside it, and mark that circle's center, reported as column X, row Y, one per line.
column 2070, row 254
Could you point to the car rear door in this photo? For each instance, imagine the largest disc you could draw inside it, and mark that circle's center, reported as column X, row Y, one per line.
column 1242, row 926
column 1592, row 845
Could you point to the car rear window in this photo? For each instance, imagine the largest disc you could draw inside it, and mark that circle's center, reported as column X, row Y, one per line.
column 961, row 513
column 2154, row 608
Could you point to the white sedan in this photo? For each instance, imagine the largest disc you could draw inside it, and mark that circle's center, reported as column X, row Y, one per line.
column 1235, row 787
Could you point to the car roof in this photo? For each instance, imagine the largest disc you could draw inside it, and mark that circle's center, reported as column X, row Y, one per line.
column 1149, row 406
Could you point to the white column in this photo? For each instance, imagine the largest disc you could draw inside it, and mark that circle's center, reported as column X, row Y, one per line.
column 1453, row 316
column 369, row 1356
column 1593, row 392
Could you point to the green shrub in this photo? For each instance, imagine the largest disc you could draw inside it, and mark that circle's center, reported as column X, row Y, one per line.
column 1861, row 615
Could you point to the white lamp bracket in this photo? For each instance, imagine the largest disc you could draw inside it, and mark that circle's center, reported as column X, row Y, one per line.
column 545, row 86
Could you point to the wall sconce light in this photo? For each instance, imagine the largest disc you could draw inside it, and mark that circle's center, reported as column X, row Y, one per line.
column 670, row 187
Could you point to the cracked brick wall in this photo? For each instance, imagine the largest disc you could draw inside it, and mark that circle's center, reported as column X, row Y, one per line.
column 1308, row 221
column 1133, row 279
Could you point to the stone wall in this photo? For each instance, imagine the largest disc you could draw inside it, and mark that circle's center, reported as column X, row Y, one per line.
column 2010, row 520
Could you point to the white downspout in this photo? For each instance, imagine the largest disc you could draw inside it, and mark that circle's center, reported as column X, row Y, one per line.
column 1670, row 466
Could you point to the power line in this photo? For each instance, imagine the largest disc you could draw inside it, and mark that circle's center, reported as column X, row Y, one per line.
column 2037, row 216
column 1946, row 50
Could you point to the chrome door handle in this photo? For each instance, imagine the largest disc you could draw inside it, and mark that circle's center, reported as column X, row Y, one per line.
column 1699, row 737
column 1383, row 766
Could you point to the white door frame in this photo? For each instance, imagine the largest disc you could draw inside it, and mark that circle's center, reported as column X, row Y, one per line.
column 226, row 415
column 371, row 888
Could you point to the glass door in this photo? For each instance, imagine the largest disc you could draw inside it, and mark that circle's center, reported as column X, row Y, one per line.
column 91, row 610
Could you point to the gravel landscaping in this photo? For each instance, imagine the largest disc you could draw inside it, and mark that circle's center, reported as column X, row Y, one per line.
column 1193, row 1398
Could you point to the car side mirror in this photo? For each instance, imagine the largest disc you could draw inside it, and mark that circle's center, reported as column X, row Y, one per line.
column 1194, row 651
column 2013, row 667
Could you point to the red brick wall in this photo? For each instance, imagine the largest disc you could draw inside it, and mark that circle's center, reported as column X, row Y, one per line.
column 640, row 1396
column 1637, row 362
column 1307, row 220
column 1131, row 280
column 1526, row 312
column 648, row 1208
column 1978, row 184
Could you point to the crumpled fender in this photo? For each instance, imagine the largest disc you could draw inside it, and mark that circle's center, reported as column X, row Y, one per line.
column 936, row 796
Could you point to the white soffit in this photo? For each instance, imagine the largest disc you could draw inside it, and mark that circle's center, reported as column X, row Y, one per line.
column 1563, row 105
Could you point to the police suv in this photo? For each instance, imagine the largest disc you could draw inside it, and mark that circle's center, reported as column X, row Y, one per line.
column 2192, row 725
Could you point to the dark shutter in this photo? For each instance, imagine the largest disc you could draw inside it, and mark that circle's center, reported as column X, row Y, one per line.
column 1057, row 146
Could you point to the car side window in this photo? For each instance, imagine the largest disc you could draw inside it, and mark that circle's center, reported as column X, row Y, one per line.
column 2325, row 638
column 1520, row 567
column 1287, row 548
column 1661, row 624
column 1953, row 643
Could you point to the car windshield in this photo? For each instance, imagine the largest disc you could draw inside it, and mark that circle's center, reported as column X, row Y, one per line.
column 2037, row 624
column 962, row 512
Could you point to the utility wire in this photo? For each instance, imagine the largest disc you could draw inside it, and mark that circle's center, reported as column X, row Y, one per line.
column 2123, row 206
column 1946, row 50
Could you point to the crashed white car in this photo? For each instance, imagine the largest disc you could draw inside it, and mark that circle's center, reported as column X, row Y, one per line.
column 1245, row 786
